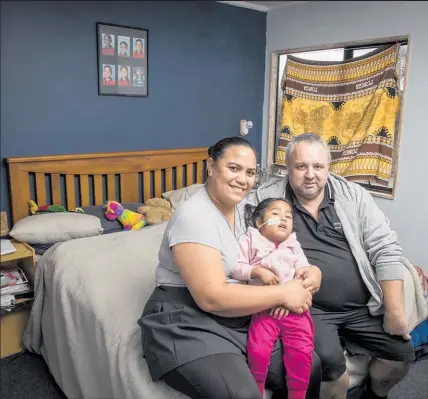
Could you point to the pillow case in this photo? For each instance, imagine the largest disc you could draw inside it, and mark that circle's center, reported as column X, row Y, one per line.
column 176, row 197
column 51, row 228
column 109, row 226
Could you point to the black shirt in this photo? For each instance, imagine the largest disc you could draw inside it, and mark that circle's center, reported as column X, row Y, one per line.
column 325, row 246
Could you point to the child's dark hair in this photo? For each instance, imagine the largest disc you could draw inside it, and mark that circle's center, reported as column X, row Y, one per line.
column 217, row 150
column 254, row 214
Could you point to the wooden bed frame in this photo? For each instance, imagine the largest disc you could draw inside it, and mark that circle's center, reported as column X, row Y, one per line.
column 92, row 179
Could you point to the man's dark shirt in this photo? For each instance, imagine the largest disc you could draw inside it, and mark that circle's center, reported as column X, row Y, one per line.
column 325, row 246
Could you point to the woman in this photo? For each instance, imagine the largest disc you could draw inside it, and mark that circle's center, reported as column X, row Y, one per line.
column 195, row 324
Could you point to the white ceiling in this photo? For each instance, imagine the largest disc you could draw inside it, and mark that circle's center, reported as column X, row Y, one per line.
column 263, row 6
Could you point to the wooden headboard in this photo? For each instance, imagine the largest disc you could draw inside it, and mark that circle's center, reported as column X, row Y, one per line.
column 92, row 179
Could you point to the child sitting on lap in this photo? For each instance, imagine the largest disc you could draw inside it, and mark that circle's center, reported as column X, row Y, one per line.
column 270, row 254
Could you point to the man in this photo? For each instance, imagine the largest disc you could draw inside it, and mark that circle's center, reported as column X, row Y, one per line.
column 108, row 79
column 138, row 49
column 108, row 49
column 123, row 49
column 124, row 80
column 360, row 301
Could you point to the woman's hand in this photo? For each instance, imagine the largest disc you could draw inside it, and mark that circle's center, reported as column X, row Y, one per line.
column 298, row 295
column 297, row 299
column 266, row 276
column 310, row 277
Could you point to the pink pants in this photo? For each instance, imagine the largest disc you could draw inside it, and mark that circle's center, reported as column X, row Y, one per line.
column 297, row 336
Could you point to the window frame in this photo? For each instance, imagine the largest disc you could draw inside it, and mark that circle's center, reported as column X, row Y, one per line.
column 269, row 154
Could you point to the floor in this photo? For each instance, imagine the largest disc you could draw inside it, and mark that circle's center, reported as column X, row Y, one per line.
column 26, row 376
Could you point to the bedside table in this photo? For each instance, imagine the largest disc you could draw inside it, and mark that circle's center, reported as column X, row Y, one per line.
column 13, row 324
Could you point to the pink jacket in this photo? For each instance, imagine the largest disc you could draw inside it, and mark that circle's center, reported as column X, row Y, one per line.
column 256, row 250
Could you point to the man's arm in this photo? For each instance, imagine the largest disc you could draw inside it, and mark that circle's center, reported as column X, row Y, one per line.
column 379, row 241
column 385, row 253
column 395, row 320
column 393, row 295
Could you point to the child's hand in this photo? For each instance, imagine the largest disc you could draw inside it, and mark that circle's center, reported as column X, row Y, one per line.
column 265, row 275
column 278, row 312
column 310, row 277
column 300, row 275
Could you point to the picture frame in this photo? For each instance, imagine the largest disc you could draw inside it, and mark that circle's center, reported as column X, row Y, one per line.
column 122, row 60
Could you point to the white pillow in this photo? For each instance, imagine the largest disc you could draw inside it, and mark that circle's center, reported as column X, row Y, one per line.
column 176, row 197
column 50, row 228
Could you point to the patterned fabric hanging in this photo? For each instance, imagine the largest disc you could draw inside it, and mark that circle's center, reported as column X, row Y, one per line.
column 352, row 104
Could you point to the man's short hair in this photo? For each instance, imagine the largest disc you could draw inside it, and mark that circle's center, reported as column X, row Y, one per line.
column 305, row 137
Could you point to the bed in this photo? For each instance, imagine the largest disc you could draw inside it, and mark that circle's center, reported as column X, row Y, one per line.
column 90, row 292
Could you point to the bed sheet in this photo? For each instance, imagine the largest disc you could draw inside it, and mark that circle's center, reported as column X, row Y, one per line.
column 89, row 294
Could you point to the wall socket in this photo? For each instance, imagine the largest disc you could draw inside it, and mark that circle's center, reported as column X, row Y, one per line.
column 244, row 127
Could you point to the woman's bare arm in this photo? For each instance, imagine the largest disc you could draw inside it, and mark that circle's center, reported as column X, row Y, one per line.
column 202, row 270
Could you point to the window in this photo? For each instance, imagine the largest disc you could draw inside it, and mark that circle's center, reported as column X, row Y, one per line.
column 346, row 53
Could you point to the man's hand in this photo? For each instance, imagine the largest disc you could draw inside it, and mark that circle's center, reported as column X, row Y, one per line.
column 394, row 319
column 395, row 323
column 265, row 275
column 311, row 278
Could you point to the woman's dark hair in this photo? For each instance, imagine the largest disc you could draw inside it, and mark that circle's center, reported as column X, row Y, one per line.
column 254, row 214
column 217, row 150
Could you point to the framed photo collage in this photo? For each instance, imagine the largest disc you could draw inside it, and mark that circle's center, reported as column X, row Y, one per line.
column 122, row 60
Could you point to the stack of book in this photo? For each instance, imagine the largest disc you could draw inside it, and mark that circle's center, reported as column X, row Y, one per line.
column 14, row 285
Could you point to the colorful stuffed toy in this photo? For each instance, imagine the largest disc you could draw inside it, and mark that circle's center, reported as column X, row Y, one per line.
column 130, row 220
column 35, row 209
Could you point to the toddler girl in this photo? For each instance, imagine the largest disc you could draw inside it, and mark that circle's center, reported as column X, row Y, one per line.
column 270, row 254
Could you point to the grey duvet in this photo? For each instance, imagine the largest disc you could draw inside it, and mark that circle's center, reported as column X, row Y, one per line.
column 89, row 294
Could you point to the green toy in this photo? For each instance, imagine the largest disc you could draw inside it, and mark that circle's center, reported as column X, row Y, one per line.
column 35, row 209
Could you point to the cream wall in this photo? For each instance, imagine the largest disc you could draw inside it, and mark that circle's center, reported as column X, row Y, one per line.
column 319, row 23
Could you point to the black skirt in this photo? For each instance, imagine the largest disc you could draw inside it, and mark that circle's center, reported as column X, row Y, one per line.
column 176, row 331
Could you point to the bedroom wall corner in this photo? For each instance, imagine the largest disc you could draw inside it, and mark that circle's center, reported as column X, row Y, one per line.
column 321, row 23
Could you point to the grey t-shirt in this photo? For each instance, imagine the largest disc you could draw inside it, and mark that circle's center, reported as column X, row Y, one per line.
column 197, row 220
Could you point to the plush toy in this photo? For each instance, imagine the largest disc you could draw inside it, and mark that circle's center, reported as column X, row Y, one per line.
column 156, row 210
column 130, row 220
column 35, row 209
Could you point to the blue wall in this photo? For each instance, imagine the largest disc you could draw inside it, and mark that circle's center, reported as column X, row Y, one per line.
column 206, row 72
